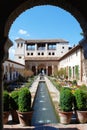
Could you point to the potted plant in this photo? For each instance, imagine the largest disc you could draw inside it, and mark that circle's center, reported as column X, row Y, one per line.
column 5, row 106
column 14, row 105
column 66, row 105
column 24, row 107
column 81, row 105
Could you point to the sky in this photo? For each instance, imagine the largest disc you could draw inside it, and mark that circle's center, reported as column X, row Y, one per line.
column 45, row 22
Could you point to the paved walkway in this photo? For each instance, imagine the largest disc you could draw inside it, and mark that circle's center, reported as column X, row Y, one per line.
column 55, row 98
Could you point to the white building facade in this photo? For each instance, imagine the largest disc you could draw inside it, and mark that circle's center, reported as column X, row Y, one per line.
column 40, row 55
column 11, row 70
column 75, row 64
column 51, row 55
column 72, row 62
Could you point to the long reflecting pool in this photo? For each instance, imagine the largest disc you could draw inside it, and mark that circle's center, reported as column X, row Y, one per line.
column 43, row 108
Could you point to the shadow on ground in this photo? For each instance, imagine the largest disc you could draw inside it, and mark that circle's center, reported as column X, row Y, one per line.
column 46, row 128
column 53, row 128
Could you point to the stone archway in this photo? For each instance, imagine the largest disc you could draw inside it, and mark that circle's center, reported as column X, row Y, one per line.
column 30, row 4
column 41, row 68
column 15, row 8
column 68, row 6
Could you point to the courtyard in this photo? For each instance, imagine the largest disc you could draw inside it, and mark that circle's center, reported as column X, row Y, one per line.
column 54, row 93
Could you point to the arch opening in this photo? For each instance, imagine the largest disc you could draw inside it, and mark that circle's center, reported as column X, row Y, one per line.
column 26, row 5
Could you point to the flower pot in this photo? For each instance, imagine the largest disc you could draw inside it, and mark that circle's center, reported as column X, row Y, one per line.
column 5, row 117
column 15, row 118
column 81, row 116
column 65, row 117
column 25, row 118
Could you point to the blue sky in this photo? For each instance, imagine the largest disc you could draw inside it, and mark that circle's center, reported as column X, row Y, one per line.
column 45, row 22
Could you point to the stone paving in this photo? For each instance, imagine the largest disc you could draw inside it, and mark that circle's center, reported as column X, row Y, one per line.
column 55, row 98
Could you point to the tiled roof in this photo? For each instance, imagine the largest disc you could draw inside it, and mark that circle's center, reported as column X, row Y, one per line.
column 19, row 39
column 9, row 60
column 46, row 41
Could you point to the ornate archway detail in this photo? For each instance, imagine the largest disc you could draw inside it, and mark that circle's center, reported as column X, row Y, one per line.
column 41, row 66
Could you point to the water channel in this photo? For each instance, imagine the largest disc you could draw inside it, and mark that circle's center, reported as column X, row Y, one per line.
column 44, row 112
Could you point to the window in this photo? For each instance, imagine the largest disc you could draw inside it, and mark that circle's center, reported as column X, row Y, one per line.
column 42, row 53
column 39, row 53
column 31, row 53
column 51, row 46
column 41, row 47
column 30, row 47
column 49, row 53
column 18, row 45
column 20, row 57
column 53, row 53
column 28, row 54
column 21, row 44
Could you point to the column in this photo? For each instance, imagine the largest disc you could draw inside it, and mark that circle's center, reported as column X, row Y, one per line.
column 35, row 49
column 46, row 46
column 46, row 70
column 52, row 69
column 36, row 70
column 35, row 46
column 46, row 49
column 5, row 43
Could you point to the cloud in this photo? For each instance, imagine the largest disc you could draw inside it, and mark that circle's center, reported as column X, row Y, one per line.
column 23, row 32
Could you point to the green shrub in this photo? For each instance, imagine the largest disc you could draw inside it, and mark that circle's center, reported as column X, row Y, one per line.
column 6, row 99
column 83, row 87
column 14, row 100
column 74, row 82
column 80, row 100
column 24, row 100
column 66, row 99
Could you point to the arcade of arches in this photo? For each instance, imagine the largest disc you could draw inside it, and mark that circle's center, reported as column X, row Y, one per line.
column 11, row 9
column 46, row 67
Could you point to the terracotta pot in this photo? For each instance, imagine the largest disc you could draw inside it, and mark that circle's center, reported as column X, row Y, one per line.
column 25, row 118
column 5, row 117
column 14, row 116
column 65, row 117
column 81, row 116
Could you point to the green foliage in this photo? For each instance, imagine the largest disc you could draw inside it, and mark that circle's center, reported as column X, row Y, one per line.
column 74, row 82
column 66, row 99
column 14, row 100
column 56, row 83
column 80, row 100
column 70, row 72
column 62, row 73
column 21, row 78
column 24, row 100
column 83, row 87
column 6, row 99
column 29, row 83
column 77, row 71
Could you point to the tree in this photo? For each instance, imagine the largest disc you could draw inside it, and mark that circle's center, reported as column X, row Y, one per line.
column 27, row 73
column 61, row 73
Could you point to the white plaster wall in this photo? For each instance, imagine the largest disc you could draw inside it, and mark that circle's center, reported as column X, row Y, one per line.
column 60, row 51
column 71, row 60
column 20, row 51
column 13, row 64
